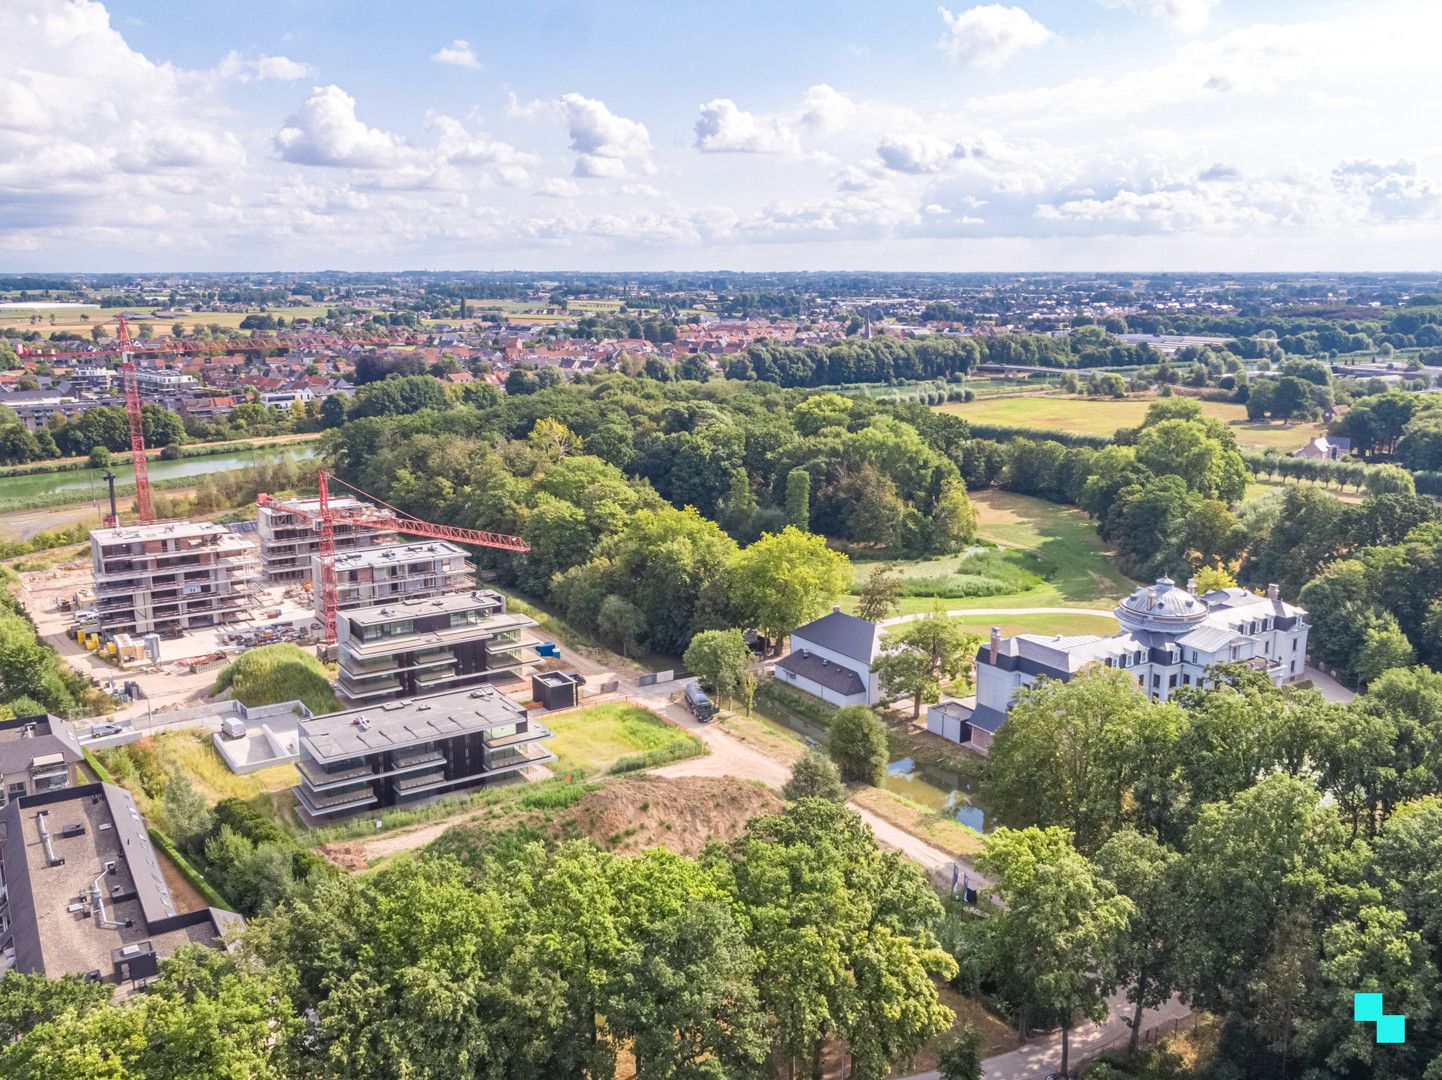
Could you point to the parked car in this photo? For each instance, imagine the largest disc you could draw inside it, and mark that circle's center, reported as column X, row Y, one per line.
column 101, row 731
column 87, row 615
column 699, row 704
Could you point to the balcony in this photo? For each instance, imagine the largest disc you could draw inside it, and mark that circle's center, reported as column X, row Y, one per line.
column 418, row 760
column 515, row 757
column 420, row 782
column 317, row 776
column 334, row 803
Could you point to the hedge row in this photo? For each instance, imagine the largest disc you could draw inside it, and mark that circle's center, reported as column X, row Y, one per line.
column 1005, row 433
column 191, row 874
column 685, row 746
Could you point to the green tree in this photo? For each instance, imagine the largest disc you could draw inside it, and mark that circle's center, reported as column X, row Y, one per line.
column 786, row 579
column 186, row 813
column 798, row 498
column 28, row 1000
column 622, row 622
column 683, row 996
column 1090, row 755
column 1390, row 479
column 961, row 1059
column 719, row 658
column 880, row 593
column 332, row 411
column 924, row 653
column 856, row 741
column 1143, row 870
column 814, row 776
column 1052, row 938
column 99, row 457
column 1384, row 647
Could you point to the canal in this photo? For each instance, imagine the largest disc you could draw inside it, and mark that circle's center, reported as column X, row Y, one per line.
column 949, row 791
column 90, row 483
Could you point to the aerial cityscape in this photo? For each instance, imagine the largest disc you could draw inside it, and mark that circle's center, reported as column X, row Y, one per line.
column 623, row 541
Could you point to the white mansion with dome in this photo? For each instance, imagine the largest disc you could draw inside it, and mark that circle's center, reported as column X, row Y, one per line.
column 1169, row 637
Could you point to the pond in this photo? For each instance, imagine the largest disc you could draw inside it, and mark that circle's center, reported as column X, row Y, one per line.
column 947, row 791
column 90, row 483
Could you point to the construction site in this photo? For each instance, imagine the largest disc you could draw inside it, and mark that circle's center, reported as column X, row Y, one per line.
column 161, row 606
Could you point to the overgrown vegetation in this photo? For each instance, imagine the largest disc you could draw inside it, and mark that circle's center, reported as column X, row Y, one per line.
column 275, row 673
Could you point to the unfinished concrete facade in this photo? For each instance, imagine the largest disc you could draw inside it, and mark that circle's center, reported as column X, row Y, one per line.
column 170, row 576
column 419, row 570
column 289, row 540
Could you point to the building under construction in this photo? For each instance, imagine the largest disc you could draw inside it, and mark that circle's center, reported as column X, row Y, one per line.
column 417, row 570
column 170, row 576
column 289, row 538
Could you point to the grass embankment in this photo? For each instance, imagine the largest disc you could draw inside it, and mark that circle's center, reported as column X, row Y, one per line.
column 1103, row 416
column 146, row 766
column 275, row 673
column 1051, row 557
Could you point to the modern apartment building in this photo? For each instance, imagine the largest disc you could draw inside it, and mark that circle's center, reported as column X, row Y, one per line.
column 289, row 541
column 81, row 891
column 405, row 751
column 414, row 647
column 170, row 576
column 37, row 754
column 419, row 570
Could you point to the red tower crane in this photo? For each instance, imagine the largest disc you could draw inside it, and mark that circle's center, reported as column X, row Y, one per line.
column 127, row 348
column 137, row 430
column 389, row 519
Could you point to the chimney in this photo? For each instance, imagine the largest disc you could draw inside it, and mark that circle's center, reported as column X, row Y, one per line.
column 1192, row 585
column 1273, row 593
column 836, row 609
column 995, row 643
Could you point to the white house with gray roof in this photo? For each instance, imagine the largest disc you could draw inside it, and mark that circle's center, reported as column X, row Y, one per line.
column 831, row 658
column 1169, row 637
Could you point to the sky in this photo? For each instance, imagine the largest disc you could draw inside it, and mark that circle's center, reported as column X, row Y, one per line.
column 145, row 135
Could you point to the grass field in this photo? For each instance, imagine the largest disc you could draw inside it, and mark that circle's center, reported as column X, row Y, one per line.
column 593, row 739
column 1069, row 556
column 1093, row 416
column 70, row 318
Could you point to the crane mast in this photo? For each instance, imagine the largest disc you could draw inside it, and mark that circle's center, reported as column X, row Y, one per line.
column 137, row 427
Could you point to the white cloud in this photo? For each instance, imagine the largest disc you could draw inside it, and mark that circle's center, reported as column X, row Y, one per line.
column 825, row 110
column 990, row 34
column 458, row 53
column 724, row 128
column 918, row 152
column 604, row 142
column 1389, row 191
column 457, row 146
column 326, row 131
column 559, row 188
column 1187, row 14
column 234, row 67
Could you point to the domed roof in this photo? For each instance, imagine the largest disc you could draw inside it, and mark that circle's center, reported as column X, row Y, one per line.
column 1161, row 608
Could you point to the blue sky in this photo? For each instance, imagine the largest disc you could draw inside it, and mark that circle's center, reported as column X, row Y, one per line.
column 1085, row 134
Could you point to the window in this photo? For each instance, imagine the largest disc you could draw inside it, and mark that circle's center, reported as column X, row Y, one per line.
column 1156, row 680
column 1294, row 644
column 1172, row 682
column 1186, row 680
column 400, row 629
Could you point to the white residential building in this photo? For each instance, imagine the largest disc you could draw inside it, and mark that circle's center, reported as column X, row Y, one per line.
column 831, row 658
column 1169, row 637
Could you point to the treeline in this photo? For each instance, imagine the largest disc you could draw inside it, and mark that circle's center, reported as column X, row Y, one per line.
column 762, row 956
column 33, row 680
column 636, row 501
column 888, row 359
column 1259, row 851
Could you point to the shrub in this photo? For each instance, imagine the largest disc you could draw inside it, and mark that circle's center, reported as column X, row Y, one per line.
column 555, row 797
column 814, row 776
column 684, row 746
column 276, row 673
column 857, row 743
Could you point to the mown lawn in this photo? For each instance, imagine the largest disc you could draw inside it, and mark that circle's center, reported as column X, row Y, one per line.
column 593, row 739
column 1068, row 554
column 1102, row 416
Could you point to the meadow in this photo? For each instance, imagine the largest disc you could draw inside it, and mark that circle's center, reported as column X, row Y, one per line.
column 1050, row 556
column 1103, row 416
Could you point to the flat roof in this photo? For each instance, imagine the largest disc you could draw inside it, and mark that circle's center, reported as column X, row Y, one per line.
column 395, row 724
column 160, row 530
column 391, row 610
column 57, row 926
column 391, row 554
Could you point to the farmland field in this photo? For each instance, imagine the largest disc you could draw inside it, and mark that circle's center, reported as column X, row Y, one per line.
column 70, row 318
column 1093, row 416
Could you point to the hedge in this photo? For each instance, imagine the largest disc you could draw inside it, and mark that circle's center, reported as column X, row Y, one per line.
column 191, row 874
column 1005, row 433
column 684, row 747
